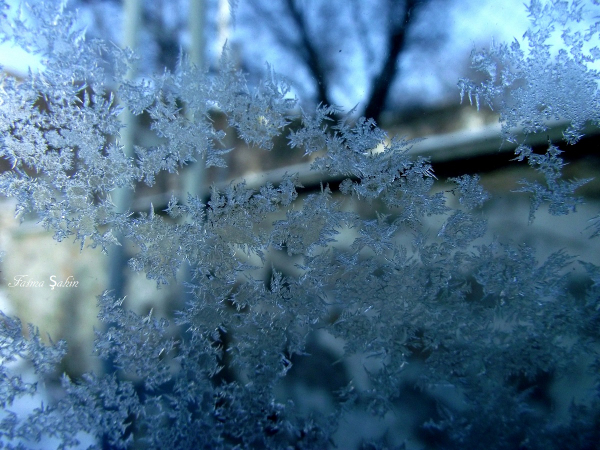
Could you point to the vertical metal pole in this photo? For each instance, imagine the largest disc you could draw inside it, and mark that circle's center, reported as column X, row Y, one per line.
column 194, row 178
column 196, row 24
column 223, row 24
column 123, row 197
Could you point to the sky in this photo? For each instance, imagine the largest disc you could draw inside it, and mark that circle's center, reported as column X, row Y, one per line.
column 470, row 23
column 14, row 59
column 427, row 77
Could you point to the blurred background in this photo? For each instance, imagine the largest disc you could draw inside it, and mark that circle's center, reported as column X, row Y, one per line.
column 396, row 61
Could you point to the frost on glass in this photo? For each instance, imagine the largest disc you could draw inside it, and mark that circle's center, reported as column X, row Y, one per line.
column 543, row 82
column 414, row 288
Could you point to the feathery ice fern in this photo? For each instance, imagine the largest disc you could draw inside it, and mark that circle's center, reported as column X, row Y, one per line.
column 452, row 311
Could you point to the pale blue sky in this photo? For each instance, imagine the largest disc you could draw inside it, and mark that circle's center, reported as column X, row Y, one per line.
column 471, row 23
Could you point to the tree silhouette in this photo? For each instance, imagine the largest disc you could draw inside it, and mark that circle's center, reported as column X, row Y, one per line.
column 313, row 32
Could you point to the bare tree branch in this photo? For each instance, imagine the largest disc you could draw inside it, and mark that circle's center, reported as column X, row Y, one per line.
column 363, row 30
column 307, row 45
column 382, row 82
column 310, row 54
